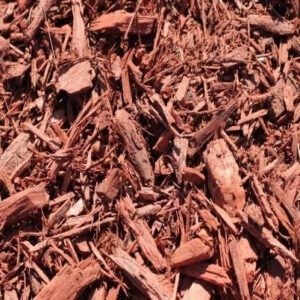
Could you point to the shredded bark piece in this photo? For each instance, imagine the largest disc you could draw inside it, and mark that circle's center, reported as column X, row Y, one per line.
column 39, row 15
column 141, row 232
column 142, row 278
column 191, row 252
column 208, row 272
column 267, row 23
column 135, row 145
column 21, row 205
column 71, row 83
column 111, row 185
column 62, row 285
column 224, row 181
column 118, row 21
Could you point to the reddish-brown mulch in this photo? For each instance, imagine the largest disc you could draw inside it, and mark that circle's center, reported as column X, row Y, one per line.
column 149, row 149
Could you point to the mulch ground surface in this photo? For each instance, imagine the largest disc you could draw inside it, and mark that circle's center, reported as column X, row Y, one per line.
column 149, row 149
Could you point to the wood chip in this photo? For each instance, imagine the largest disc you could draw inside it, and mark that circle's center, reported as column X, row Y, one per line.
column 135, row 145
column 21, row 205
column 16, row 157
column 267, row 23
column 71, row 83
column 62, row 285
column 141, row 232
column 110, row 186
column 224, row 181
column 142, row 278
column 208, row 272
column 118, row 21
column 191, row 252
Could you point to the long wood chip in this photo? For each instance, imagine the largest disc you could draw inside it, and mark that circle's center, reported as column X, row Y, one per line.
column 135, row 145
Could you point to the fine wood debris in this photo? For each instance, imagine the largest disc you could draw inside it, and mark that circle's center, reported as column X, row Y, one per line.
column 149, row 149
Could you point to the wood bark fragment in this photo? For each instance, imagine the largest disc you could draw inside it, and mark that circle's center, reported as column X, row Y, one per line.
column 160, row 106
column 281, row 215
column 141, row 232
column 210, row 221
column 109, row 188
column 248, row 256
column 21, row 205
column 224, row 181
column 225, row 217
column 118, row 21
column 58, row 215
column 135, row 145
column 268, row 24
column 80, row 43
column 265, row 237
column 276, row 105
column 39, row 15
column 5, row 179
column 71, row 281
column 163, row 141
column 179, row 156
column 17, row 155
column 198, row 290
column 193, row 251
column 148, row 210
column 142, row 278
column 265, row 205
column 182, row 88
column 239, row 270
column 193, row 175
column 126, row 86
column 218, row 121
column 296, row 44
column 72, row 83
column 253, row 116
column 148, row 194
column 16, row 73
column 214, row 274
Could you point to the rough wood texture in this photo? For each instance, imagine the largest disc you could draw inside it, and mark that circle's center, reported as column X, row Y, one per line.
column 80, row 43
column 239, row 270
column 38, row 17
column 119, row 21
column 71, row 281
column 193, row 175
column 168, row 129
column 141, row 232
column 17, row 155
column 191, row 252
column 21, row 205
column 109, row 188
column 71, row 83
column 218, row 121
column 142, row 278
column 267, row 23
column 179, row 155
column 224, row 181
column 208, row 272
column 135, row 145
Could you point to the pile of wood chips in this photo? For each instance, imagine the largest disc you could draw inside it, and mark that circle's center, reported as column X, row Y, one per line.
column 149, row 149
